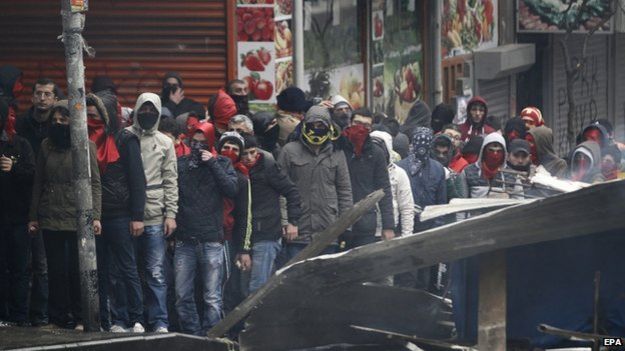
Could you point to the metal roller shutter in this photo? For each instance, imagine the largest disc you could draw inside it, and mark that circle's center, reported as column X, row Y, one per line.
column 136, row 42
column 591, row 90
column 497, row 94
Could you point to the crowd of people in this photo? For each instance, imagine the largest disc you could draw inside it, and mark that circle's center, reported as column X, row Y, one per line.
column 195, row 209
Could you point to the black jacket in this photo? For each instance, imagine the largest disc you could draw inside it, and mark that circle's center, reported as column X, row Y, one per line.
column 200, row 201
column 268, row 184
column 123, row 182
column 16, row 186
column 368, row 173
column 27, row 127
column 185, row 106
column 242, row 228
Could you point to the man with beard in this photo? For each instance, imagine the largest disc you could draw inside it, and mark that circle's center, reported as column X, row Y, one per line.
column 17, row 169
column 267, row 132
column 161, row 207
column 173, row 101
column 367, row 169
column 238, row 91
column 475, row 125
column 541, row 151
column 519, row 156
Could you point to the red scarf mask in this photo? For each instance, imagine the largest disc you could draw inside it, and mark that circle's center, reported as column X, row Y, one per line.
column 106, row 149
column 357, row 135
column 238, row 165
column 471, row 158
column 491, row 162
column 9, row 125
column 593, row 135
column 182, row 149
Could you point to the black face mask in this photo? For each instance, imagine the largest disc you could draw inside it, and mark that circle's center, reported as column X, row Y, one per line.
column 341, row 119
column 242, row 103
column 147, row 120
column 60, row 135
column 270, row 138
column 519, row 168
column 196, row 153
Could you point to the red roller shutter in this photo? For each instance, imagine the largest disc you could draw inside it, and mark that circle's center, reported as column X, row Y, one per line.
column 136, row 42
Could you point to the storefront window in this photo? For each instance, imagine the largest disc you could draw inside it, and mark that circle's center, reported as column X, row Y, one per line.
column 333, row 59
column 396, row 57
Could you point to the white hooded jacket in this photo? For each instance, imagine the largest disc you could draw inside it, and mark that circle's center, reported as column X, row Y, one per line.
column 403, row 203
column 159, row 164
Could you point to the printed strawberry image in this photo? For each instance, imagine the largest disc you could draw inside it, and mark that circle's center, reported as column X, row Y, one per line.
column 252, row 62
column 379, row 26
column 264, row 56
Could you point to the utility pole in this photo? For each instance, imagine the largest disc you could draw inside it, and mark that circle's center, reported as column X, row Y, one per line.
column 73, row 24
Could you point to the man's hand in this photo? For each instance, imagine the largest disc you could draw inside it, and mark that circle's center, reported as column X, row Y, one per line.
column 206, row 155
column 289, row 232
column 177, row 97
column 136, row 228
column 327, row 104
column 244, row 262
column 97, row 227
column 33, row 227
column 6, row 164
column 170, row 226
column 388, row 234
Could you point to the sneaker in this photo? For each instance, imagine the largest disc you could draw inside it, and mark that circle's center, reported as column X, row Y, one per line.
column 79, row 327
column 161, row 330
column 138, row 328
column 118, row 329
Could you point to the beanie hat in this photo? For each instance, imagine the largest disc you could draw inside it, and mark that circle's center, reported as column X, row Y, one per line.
column 534, row 114
column 293, row 99
column 231, row 137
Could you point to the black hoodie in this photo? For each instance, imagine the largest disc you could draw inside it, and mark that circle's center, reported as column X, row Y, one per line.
column 8, row 76
column 267, row 139
column 418, row 116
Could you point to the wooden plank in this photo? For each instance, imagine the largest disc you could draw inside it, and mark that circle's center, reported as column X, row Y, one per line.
column 321, row 241
column 491, row 313
column 420, row 341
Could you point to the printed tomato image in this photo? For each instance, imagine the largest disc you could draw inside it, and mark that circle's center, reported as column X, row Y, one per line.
column 255, row 24
column 260, row 89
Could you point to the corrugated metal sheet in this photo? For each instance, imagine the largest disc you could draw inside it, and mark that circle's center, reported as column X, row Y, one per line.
column 136, row 42
column 619, row 87
column 497, row 94
column 591, row 90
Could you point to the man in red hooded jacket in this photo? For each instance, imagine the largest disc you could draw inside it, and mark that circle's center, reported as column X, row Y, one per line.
column 477, row 110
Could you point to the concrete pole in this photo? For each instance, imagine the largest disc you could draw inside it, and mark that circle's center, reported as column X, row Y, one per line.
column 73, row 24
column 298, row 43
column 437, row 58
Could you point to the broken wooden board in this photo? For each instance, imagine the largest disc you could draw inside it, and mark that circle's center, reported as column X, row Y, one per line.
column 587, row 211
column 417, row 340
column 467, row 205
column 325, row 319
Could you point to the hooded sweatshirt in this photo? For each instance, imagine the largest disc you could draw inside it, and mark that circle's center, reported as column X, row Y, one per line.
column 478, row 186
column 221, row 108
column 268, row 139
column 159, row 165
column 593, row 151
column 185, row 106
column 468, row 128
column 403, row 203
column 418, row 116
column 543, row 139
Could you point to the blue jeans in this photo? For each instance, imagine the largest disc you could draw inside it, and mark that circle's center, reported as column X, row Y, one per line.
column 290, row 250
column 152, row 247
column 209, row 258
column 263, row 261
column 125, row 295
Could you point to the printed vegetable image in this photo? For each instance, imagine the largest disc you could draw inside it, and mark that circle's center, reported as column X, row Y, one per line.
column 285, row 6
column 551, row 15
column 378, row 26
column 407, row 82
column 378, row 87
column 260, row 89
column 467, row 24
column 256, row 60
column 255, row 24
column 284, row 40
column 352, row 89
column 255, row 2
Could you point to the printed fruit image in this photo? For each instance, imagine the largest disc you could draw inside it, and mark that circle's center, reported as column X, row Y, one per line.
column 284, row 75
column 284, row 40
column 255, row 2
column 407, row 82
column 260, row 89
column 285, row 6
column 256, row 60
column 255, row 24
column 378, row 87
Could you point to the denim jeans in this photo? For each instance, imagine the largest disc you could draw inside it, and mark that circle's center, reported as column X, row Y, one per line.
column 125, row 295
column 14, row 247
column 39, row 290
column 152, row 246
column 290, row 250
column 263, row 261
column 209, row 258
